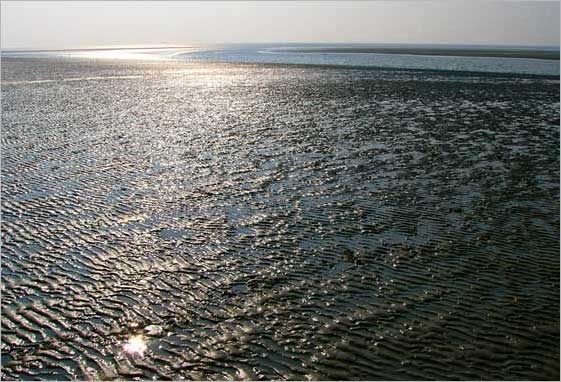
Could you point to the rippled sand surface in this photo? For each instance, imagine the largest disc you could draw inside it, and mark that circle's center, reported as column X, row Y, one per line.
column 204, row 221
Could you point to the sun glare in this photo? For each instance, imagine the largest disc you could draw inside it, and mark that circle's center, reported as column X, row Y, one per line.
column 136, row 345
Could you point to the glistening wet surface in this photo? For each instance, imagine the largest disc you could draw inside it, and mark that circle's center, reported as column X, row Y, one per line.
column 218, row 221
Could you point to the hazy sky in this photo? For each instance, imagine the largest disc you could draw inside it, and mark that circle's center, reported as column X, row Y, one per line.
column 46, row 24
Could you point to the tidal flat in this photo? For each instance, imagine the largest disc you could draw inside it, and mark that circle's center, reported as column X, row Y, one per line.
column 176, row 220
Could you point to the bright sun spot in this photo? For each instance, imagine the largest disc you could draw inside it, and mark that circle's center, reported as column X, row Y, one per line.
column 135, row 345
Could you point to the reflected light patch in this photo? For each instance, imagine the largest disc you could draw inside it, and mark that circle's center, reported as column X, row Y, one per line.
column 135, row 346
column 118, row 54
column 131, row 54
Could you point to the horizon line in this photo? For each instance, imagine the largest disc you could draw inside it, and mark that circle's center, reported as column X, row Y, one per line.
column 199, row 45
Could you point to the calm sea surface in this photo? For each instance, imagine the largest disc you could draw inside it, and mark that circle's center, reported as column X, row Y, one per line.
column 190, row 219
column 292, row 54
column 289, row 54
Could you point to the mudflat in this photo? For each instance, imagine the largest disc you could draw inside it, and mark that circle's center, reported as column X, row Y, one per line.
column 170, row 220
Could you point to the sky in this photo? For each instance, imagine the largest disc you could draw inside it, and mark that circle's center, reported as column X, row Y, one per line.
column 83, row 24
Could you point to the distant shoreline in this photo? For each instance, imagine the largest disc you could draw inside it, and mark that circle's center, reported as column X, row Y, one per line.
column 539, row 54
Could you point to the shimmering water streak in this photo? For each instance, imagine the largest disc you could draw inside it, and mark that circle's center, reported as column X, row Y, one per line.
column 146, row 54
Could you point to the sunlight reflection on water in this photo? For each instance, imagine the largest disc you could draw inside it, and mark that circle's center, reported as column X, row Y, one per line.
column 136, row 345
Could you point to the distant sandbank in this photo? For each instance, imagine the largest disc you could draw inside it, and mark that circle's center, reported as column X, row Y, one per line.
column 530, row 53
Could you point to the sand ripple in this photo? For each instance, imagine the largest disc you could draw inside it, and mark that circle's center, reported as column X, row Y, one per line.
column 267, row 222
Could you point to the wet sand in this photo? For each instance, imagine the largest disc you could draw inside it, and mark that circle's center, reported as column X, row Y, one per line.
column 165, row 220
